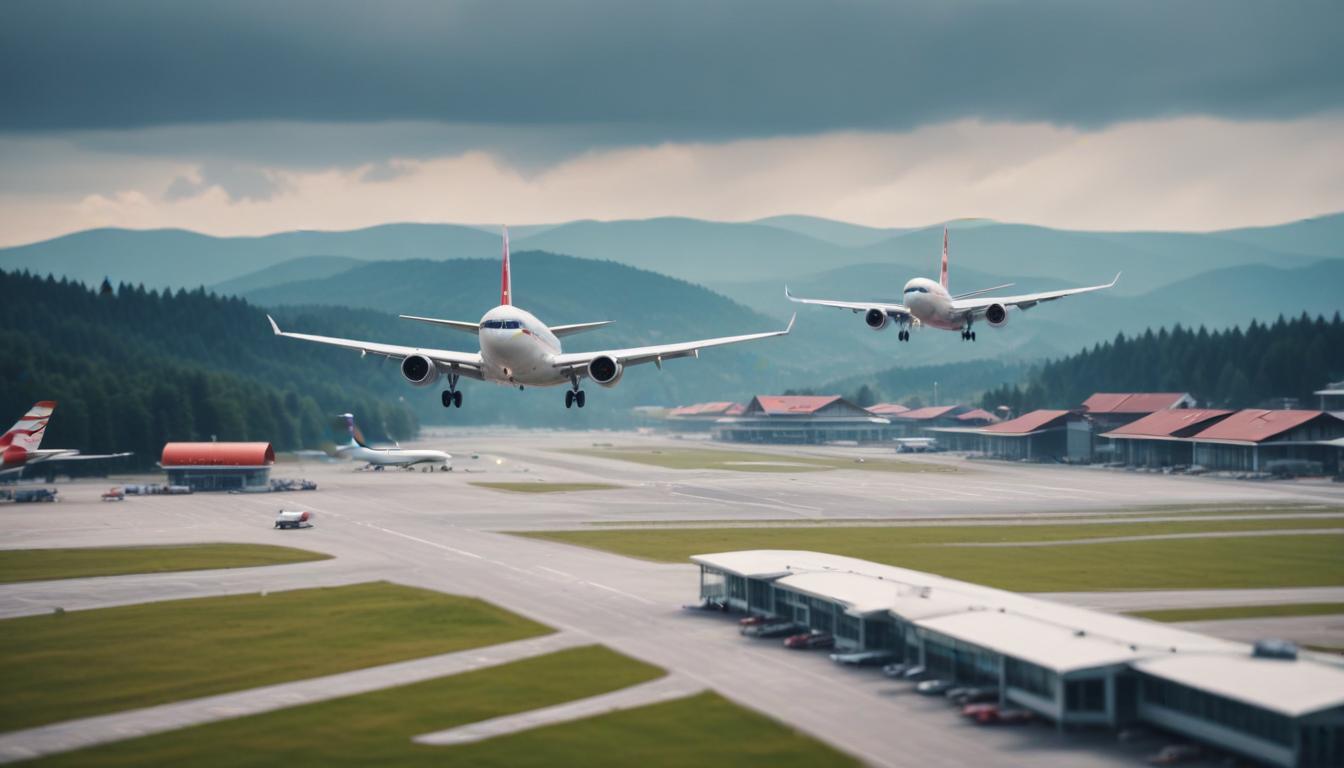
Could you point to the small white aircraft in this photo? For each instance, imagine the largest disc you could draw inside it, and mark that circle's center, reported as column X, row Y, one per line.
column 929, row 303
column 519, row 350
column 407, row 458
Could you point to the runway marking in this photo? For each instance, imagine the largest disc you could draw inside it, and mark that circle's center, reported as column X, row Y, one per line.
column 617, row 591
column 558, row 573
column 782, row 507
column 454, row 550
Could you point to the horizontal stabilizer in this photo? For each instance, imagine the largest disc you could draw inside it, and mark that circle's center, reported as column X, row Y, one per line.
column 566, row 330
column 459, row 325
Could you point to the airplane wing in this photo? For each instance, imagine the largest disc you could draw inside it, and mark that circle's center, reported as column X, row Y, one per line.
column 73, row 455
column 978, row 306
column 457, row 325
column 566, row 330
column 575, row 362
column 895, row 310
column 465, row 363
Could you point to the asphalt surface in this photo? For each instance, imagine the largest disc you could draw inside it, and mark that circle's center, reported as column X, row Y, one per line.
column 435, row 530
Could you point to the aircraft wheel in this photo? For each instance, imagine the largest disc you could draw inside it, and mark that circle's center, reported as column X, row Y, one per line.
column 457, row 399
column 972, row 335
column 569, row 399
column 446, row 399
column 579, row 398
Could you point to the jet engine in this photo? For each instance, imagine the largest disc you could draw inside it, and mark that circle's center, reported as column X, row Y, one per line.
column 876, row 319
column 419, row 370
column 605, row 370
column 996, row 315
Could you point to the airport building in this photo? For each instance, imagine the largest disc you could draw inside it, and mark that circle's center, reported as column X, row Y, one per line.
column 806, row 419
column 218, row 466
column 1332, row 397
column 1042, row 435
column 1162, row 439
column 1073, row 666
column 1253, row 440
column 700, row 417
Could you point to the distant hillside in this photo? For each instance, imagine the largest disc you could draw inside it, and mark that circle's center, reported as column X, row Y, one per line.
column 915, row 386
column 302, row 268
column 781, row 248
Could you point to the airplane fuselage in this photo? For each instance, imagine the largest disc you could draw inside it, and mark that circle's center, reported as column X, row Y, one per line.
column 931, row 304
column 394, row 457
column 518, row 349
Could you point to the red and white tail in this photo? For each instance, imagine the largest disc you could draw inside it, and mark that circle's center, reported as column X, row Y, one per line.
column 942, row 275
column 27, row 433
column 505, row 281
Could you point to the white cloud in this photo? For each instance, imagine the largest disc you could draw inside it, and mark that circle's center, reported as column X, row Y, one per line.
column 1184, row 174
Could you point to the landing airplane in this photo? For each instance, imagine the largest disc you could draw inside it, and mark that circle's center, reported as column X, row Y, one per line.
column 519, row 350
column 378, row 458
column 929, row 303
column 19, row 446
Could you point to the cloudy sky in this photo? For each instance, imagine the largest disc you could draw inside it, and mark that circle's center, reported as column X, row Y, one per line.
column 252, row 117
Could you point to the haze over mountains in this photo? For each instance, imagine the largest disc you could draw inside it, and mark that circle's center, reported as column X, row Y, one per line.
column 668, row 279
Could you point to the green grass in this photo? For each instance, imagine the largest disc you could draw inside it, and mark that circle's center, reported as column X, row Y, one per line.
column 43, row 564
column 1243, row 612
column 746, row 461
column 1210, row 563
column 546, row 487
column 376, row 728
column 76, row 664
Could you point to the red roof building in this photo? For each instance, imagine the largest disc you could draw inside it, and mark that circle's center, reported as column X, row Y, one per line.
column 928, row 413
column 1257, row 426
column 218, row 466
column 1136, row 402
column 1027, row 423
column 801, row 419
column 1273, row 442
column 977, row 416
column 1170, row 425
column 887, row 409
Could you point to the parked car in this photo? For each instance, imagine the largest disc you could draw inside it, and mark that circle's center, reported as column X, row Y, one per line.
column 993, row 714
column 897, row 669
column 772, row 629
column 810, row 640
column 34, row 495
column 914, row 673
column 752, row 620
column 293, row 518
column 114, row 494
column 933, row 687
column 972, row 695
column 1176, row 753
column 863, row 658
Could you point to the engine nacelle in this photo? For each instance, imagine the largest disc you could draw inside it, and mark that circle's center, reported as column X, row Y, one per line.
column 996, row 315
column 605, row 370
column 419, row 370
column 876, row 319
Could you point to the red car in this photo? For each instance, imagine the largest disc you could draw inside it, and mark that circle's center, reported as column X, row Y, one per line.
column 992, row 714
column 810, row 640
column 751, row 621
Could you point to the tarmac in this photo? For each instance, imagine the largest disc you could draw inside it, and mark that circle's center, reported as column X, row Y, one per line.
column 438, row 531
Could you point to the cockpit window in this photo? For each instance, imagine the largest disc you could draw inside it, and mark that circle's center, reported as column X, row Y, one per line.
column 502, row 324
column 916, row 289
column 512, row 325
column 490, row 324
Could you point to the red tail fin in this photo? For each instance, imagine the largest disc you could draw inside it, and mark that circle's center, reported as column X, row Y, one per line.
column 942, row 276
column 505, row 282
column 27, row 433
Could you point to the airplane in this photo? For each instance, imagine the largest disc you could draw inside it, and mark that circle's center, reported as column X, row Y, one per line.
column 388, row 457
column 517, row 349
column 929, row 303
column 19, row 446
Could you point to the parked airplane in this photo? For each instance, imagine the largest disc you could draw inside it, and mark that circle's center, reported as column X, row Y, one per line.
column 519, row 350
column 929, row 303
column 19, row 446
column 397, row 456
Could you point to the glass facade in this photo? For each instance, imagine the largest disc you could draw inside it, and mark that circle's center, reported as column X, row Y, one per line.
column 206, row 478
column 1030, row 678
column 713, row 585
column 1085, row 695
column 962, row 662
column 1244, row 718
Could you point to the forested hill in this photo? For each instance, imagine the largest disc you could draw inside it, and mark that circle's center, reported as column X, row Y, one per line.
column 1234, row 368
column 134, row 369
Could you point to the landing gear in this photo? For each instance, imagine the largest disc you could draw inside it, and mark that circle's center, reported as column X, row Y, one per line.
column 903, row 336
column 451, row 398
column 575, row 396
column 968, row 335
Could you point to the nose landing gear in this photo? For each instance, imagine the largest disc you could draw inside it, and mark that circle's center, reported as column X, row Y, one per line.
column 903, row 336
column 451, row 398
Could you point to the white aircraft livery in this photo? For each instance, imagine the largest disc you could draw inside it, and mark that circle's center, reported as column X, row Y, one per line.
column 928, row 302
column 519, row 350
column 20, row 446
column 396, row 456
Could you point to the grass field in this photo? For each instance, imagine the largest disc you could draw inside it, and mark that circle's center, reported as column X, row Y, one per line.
column 746, row 461
column 1211, row 563
column 376, row 728
column 43, row 564
column 546, row 487
column 1244, row 612
column 62, row 666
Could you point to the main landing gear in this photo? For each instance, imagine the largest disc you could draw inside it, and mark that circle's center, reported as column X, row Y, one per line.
column 968, row 335
column 575, row 396
column 903, row 336
column 451, row 397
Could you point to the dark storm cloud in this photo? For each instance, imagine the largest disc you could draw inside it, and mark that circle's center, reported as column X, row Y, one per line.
column 678, row 70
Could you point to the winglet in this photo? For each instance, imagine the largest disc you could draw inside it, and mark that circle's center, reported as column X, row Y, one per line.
column 1116, row 280
column 790, row 326
column 274, row 328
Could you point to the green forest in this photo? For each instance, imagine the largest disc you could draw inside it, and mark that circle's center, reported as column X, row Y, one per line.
column 1235, row 368
column 132, row 369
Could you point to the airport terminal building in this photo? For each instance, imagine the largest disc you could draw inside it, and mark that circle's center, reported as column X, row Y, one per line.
column 218, row 466
column 1073, row 666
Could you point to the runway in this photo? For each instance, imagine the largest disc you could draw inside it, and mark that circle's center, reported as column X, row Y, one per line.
column 438, row 531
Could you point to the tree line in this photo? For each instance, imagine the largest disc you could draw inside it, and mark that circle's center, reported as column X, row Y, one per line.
column 1233, row 368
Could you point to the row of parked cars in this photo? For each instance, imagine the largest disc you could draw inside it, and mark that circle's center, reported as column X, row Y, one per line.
column 980, row 704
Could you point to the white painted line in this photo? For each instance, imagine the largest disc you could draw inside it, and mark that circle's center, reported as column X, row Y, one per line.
column 617, row 591
column 444, row 547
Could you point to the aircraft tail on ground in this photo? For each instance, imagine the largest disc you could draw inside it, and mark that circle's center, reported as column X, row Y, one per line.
column 27, row 432
column 356, row 437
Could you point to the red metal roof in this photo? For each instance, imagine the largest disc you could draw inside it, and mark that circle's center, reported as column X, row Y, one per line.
column 1132, row 402
column 217, row 454
column 1255, row 425
column 737, row 410
column 1169, row 422
column 887, row 409
column 1025, row 424
column 979, row 414
column 785, row 404
column 702, row 409
column 926, row 414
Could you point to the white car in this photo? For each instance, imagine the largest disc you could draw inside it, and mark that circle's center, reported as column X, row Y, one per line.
column 293, row 518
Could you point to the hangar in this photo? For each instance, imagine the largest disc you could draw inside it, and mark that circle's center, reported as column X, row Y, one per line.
column 1257, row 440
column 1161, row 439
column 218, row 466
column 809, row 419
column 1070, row 665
